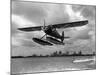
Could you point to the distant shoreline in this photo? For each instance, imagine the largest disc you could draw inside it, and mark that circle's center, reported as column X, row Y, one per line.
column 48, row 56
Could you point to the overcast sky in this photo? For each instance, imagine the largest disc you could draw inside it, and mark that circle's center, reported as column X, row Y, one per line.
column 26, row 14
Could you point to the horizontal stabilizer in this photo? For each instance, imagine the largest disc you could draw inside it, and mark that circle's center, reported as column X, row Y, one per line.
column 67, row 37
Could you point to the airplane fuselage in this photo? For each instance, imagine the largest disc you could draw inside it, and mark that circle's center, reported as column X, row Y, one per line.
column 52, row 32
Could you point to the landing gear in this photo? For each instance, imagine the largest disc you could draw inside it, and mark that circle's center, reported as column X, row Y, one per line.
column 43, row 36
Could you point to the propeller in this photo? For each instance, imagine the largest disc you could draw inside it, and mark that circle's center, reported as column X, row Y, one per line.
column 43, row 28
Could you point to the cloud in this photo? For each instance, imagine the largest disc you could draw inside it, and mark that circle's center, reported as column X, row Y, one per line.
column 86, row 46
column 21, row 21
column 74, row 15
column 15, row 42
column 56, row 14
column 30, row 10
column 81, row 12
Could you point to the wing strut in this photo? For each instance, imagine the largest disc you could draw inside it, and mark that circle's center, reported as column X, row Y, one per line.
column 43, row 36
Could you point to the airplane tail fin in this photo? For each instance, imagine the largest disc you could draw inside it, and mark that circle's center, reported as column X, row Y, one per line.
column 62, row 38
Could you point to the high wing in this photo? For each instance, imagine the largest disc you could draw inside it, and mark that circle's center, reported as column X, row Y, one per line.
column 70, row 24
column 37, row 28
column 62, row 25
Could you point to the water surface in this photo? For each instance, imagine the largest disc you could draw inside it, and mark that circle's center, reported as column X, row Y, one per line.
column 46, row 64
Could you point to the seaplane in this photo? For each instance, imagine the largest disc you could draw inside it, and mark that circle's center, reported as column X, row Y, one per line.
column 52, row 35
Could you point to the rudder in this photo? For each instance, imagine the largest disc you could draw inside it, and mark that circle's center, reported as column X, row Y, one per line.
column 62, row 38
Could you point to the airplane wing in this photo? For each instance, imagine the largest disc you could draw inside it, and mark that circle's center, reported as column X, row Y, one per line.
column 70, row 24
column 37, row 28
column 62, row 25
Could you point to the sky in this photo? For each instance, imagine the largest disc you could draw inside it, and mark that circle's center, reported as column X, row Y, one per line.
column 31, row 14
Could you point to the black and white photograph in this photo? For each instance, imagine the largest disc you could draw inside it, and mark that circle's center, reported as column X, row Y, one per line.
column 52, row 37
